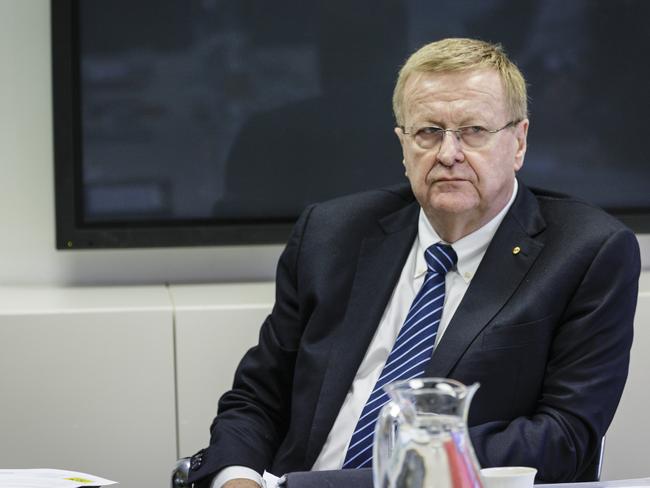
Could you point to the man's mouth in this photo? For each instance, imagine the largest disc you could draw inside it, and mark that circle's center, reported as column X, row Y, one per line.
column 447, row 180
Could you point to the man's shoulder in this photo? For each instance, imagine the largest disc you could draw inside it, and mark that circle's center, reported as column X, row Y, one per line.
column 562, row 209
column 571, row 222
column 343, row 221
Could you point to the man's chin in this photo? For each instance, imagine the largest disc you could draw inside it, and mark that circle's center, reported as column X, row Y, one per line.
column 451, row 203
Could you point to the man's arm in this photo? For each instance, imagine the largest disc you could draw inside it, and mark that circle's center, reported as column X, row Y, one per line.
column 237, row 475
column 253, row 416
column 585, row 373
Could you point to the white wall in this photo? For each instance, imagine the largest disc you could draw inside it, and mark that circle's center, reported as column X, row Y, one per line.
column 30, row 259
column 87, row 382
column 119, row 381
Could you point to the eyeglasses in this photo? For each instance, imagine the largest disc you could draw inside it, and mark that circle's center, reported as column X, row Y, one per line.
column 472, row 136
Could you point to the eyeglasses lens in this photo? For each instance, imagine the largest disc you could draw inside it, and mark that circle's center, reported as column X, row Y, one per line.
column 468, row 136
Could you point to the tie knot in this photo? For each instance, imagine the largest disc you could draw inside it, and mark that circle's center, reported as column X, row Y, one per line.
column 440, row 258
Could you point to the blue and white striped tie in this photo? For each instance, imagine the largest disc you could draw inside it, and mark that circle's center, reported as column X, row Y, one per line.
column 411, row 351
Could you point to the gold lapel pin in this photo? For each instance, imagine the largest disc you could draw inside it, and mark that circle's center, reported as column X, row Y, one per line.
column 516, row 250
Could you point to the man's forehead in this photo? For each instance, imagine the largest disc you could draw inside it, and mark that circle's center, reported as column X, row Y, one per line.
column 483, row 83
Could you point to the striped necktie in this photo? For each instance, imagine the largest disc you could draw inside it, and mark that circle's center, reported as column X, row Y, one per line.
column 411, row 351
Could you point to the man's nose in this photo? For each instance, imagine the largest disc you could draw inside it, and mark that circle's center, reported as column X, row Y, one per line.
column 450, row 150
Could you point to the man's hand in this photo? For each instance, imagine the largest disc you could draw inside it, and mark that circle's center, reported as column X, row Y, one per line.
column 241, row 483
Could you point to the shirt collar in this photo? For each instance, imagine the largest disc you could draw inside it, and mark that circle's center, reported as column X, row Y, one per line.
column 469, row 249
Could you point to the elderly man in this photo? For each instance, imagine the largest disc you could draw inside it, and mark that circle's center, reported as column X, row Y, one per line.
column 465, row 273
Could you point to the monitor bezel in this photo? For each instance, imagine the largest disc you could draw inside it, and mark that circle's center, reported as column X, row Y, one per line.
column 72, row 233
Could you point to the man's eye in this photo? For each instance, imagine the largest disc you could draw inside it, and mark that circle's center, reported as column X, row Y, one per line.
column 429, row 131
column 473, row 129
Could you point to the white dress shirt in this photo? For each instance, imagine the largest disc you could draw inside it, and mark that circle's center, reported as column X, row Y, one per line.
column 470, row 251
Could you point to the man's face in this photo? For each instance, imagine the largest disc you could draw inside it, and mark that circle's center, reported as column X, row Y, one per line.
column 453, row 181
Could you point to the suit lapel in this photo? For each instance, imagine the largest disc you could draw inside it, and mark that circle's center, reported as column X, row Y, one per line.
column 498, row 276
column 379, row 265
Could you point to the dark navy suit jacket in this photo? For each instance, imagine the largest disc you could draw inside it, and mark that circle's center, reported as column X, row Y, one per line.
column 546, row 332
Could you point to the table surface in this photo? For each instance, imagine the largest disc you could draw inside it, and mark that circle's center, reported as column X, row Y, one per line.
column 637, row 482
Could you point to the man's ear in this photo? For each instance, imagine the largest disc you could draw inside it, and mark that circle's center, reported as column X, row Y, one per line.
column 400, row 135
column 402, row 138
column 521, row 135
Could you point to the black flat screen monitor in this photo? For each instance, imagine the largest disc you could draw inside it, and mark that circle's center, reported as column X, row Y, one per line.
column 212, row 122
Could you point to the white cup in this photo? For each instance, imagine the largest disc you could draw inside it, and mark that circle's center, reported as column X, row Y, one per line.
column 508, row 477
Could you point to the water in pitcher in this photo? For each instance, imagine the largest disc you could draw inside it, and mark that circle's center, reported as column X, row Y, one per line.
column 421, row 450
column 421, row 439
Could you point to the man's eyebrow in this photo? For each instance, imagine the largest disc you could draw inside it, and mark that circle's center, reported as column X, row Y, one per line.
column 427, row 122
column 473, row 119
column 469, row 118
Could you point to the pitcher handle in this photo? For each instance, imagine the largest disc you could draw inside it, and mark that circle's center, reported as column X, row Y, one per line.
column 385, row 431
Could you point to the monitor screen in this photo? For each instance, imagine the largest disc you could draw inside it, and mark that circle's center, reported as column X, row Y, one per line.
column 207, row 122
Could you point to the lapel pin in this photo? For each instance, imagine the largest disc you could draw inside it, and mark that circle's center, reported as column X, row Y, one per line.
column 516, row 250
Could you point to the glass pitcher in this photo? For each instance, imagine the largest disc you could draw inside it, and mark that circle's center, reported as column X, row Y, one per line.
column 421, row 438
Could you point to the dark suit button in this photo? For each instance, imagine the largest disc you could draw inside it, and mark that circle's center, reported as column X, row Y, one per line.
column 197, row 460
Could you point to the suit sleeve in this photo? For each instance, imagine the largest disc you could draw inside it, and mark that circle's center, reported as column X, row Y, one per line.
column 584, row 377
column 253, row 416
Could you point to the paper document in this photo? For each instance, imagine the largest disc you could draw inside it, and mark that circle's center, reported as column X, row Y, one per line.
column 49, row 478
column 269, row 480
